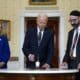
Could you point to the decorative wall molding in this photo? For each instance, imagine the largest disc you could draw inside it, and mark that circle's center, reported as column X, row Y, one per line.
column 13, row 59
column 42, row 8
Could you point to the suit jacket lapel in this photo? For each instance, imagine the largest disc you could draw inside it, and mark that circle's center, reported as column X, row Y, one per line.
column 78, row 40
column 36, row 38
column 71, row 36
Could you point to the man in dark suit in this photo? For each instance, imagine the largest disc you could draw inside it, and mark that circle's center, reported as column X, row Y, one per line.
column 38, row 44
column 72, row 56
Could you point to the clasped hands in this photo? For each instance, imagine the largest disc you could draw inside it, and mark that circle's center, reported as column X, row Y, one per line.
column 31, row 58
column 64, row 65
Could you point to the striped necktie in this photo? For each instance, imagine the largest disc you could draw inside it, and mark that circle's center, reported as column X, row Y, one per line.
column 39, row 38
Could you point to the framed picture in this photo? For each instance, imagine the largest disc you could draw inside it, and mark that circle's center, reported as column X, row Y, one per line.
column 5, row 27
column 42, row 2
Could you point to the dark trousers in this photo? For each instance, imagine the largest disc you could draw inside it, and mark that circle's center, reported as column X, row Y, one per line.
column 73, row 65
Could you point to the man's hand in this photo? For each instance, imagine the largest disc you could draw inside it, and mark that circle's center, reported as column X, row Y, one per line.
column 2, row 64
column 78, row 66
column 45, row 66
column 31, row 57
column 64, row 65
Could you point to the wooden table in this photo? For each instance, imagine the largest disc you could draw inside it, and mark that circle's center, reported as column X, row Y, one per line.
column 49, row 74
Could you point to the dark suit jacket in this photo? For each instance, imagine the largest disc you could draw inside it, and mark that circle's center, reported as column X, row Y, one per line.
column 45, row 50
column 72, row 63
column 4, row 50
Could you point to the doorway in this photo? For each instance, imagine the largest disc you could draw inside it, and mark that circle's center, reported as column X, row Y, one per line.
column 56, row 14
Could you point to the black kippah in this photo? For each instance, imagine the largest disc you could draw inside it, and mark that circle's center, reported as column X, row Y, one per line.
column 75, row 13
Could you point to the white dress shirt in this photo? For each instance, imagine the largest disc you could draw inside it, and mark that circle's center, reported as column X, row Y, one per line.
column 74, row 51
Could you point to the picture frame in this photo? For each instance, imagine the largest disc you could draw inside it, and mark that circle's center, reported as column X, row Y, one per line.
column 5, row 28
column 42, row 2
